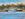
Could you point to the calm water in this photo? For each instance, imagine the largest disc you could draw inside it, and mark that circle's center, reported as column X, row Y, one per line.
column 12, row 16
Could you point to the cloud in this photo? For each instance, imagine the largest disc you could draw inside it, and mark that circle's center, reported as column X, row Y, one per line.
column 6, row 1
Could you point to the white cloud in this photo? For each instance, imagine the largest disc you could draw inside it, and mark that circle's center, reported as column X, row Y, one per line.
column 23, row 1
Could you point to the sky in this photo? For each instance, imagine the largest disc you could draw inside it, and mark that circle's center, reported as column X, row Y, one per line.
column 11, row 1
column 4, row 1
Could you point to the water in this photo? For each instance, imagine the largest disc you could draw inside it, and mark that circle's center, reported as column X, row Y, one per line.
column 12, row 16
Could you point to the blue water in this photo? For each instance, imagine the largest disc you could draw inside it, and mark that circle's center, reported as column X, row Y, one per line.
column 13, row 16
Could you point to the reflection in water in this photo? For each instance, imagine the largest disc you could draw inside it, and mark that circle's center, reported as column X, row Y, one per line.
column 14, row 16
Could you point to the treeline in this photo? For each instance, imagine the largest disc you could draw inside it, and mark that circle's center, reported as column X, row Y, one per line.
column 18, row 6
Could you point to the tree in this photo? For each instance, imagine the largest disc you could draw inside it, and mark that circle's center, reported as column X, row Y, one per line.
column 21, row 6
column 2, row 4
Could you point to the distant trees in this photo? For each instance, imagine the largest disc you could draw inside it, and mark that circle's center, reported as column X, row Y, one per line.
column 2, row 7
column 7, row 6
column 21, row 6
column 2, row 4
